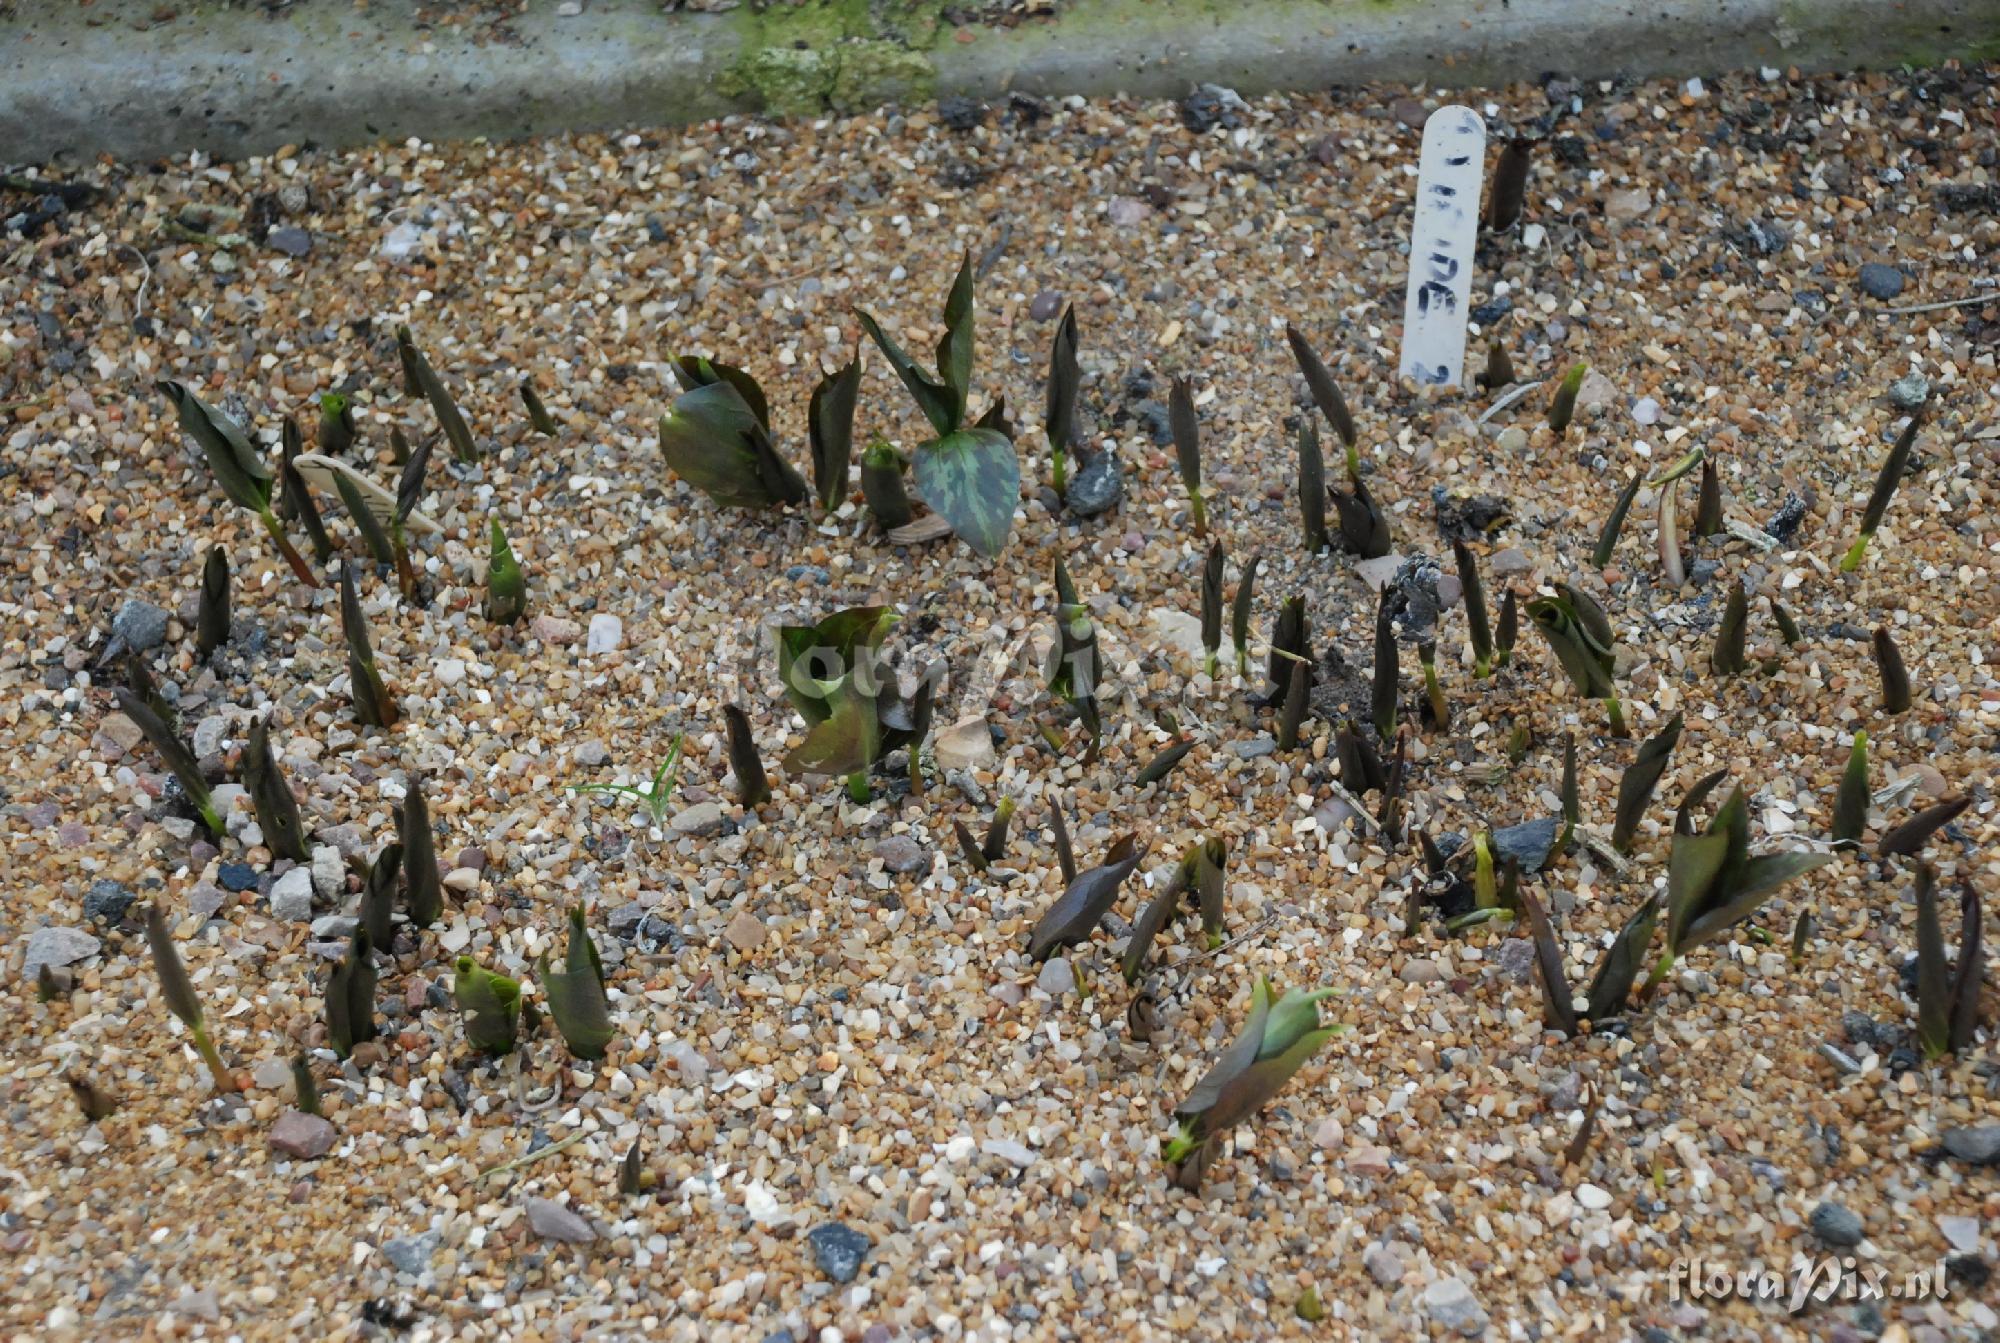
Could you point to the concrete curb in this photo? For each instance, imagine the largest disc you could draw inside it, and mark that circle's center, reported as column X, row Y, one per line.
column 107, row 79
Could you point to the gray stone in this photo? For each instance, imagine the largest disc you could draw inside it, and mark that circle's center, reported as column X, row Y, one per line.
column 838, row 1250
column 1515, row 958
column 1837, row 1226
column 56, row 947
column 1250, row 748
column 703, row 818
column 590, row 754
column 1911, row 392
column 1013, row 1153
column 298, row 1134
column 966, row 744
column 1451, row 1303
column 290, row 241
column 1045, row 305
column 292, row 895
column 329, row 873
column 106, row 902
column 1383, row 1263
column 1977, row 1146
column 1508, row 562
column 1880, row 281
column 1097, row 486
column 1962, row 1232
column 1628, row 204
column 558, row 1221
column 1056, row 978
column 607, row 634
column 331, row 927
column 900, row 853
column 1527, row 843
column 412, row 1254
column 141, row 625
column 205, row 899
column 1421, row 970
column 623, row 922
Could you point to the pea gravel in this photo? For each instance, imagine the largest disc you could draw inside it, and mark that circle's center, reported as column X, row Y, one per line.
column 865, row 1116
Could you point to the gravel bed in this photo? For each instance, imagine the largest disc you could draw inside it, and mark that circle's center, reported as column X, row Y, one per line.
column 867, row 1113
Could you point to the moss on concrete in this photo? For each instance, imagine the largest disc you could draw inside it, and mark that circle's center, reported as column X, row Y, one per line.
column 836, row 55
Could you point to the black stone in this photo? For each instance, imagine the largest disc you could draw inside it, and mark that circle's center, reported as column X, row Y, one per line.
column 237, row 876
column 838, row 1250
column 107, row 901
column 1097, row 486
column 1527, row 843
column 1880, row 281
column 1836, row 1225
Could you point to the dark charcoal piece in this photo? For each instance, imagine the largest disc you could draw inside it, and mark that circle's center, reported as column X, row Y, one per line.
column 1785, row 522
column 1098, row 486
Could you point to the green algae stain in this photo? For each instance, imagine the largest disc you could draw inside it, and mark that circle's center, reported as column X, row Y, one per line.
column 836, row 55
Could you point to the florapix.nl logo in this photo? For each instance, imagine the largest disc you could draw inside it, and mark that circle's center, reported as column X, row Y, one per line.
column 1805, row 1283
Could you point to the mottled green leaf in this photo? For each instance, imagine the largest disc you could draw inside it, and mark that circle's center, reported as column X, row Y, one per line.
column 972, row 479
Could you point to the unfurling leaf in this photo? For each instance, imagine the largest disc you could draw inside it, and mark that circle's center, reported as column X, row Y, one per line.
column 1499, row 368
column 1325, row 393
column 96, row 1103
column 830, row 420
column 1161, row 765
column 1187, row 448
column 882, row 486
column 1895, row 676
column 1510, row 185
column 1278, row 1039
column 1572, row 804
column 633, row 1177
column 1636, row 785
column 1211, row 607
column 1728, row 660
column 1361, row 771
column 972, row 479
column 1894, row 467
column 489, row 1005
column 1475, row 607
column 942, row 398
column 752, row 785
column 1850, row 804
column 1293, row 715
column 1562, row 409
column 372, row 704
column 995, row 845
column 1908, row 838
column 423, row 893
column 576, row 993
column 174, row 754
column 1713, row 883
column 1083, row 904
column 1708, row 508
column 1579, row 633
column 335, row 434
column 1385, row 684
column 1607, row 540
column 211, row 623
column 378, row 896
column 1434, row 700
column 350, row 997
column 506, row 585
column 717, row 437
column 300, row 504
column 1291, row 642
column 239, row 469
column 1934, row 970
column 539, row 418
column 1803, row 929
column 1065, row 854
column 177, row 991
column 1059, row 417
column 1621, row 963
column 1788, row 628
column 1312, row 491
column 418, row 369
column 1507, row 630
column 373, row 535
column 1239, row 614
column 1364, row 528
column 1558, row 1009
column 277, row 810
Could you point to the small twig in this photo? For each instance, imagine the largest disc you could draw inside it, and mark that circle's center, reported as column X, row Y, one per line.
column 1187, row 966
column 1513, row 394
column 1354, row 805
column 991, row 256
column 536, row 1155
column 9, row 407
column 1976, row 301
column 138, row 303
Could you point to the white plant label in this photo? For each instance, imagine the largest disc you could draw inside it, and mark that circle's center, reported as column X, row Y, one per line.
column 1442, row 239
